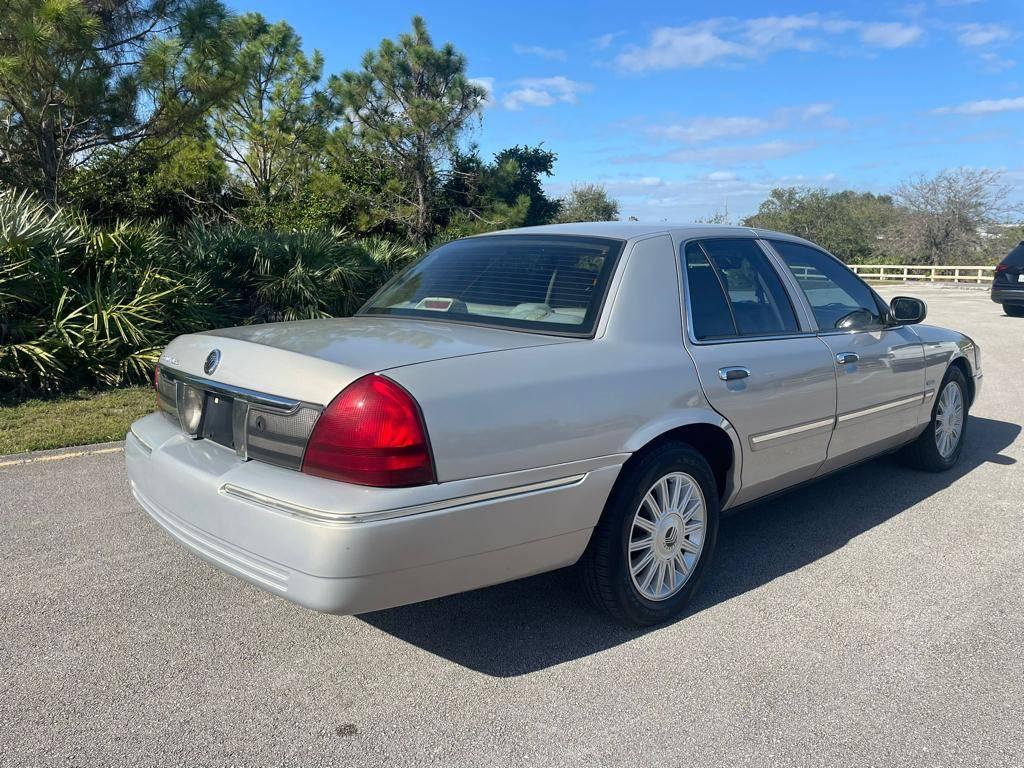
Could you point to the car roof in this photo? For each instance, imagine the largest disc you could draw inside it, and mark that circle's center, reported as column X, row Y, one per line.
column 631, row 230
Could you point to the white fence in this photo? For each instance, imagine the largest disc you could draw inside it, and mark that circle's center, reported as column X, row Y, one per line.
column 902, row 272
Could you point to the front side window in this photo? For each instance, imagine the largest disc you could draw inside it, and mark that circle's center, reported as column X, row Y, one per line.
column 839, row 299
column 544, row 283
column 735, row 291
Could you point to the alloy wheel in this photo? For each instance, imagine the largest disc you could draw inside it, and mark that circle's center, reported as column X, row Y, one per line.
column 667, row 536
column 949, row 419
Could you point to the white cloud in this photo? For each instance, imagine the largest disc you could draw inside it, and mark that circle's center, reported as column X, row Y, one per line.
column 974, row 35
column 738, row 155
column 778, row 33
column 701, row 129
column 730, row 40
column 889, row 34
column 603, row 42
column 996, row 63
column 674, row 47
column 984, row 107
column 552, row 54
column 544, row 92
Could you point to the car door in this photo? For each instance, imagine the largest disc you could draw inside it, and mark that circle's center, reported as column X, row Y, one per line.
column 760, row 366
column 880, row 369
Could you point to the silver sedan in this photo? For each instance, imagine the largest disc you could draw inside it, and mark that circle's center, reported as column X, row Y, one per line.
column 588, row 394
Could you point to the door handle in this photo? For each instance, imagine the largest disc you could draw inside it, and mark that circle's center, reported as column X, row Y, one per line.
column 845, row 358
column 733, row 373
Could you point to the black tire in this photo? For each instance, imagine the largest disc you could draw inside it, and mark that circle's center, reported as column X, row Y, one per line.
column 924, row 452
column 1014, row 310
column 605, row 566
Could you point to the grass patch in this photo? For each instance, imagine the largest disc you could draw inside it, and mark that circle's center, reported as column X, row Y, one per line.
column 79, row 419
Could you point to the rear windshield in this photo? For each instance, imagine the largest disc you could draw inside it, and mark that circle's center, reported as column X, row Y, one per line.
column 1016, row 257
column 546, row 283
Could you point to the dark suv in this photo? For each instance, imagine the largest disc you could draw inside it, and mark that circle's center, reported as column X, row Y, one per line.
column 1008, row 284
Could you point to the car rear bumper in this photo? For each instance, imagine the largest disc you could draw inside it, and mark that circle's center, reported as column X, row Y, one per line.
column 1004, row 294
column 347, row 549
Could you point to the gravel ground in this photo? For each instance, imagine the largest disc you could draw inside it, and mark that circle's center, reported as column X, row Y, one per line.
column 872, row 619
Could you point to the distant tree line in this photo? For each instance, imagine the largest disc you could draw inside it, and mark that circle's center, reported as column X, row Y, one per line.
column 959, row 216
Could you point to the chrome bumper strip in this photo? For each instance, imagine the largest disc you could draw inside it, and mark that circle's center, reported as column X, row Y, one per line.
column 142, row 443
column 326, row 516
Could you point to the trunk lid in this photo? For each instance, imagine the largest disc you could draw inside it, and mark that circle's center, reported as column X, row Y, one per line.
column 313, row 360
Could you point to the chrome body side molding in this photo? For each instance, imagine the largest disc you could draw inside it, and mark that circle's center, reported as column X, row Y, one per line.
column 331, row 517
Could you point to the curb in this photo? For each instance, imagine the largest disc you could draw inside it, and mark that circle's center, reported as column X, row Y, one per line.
column 58, row 454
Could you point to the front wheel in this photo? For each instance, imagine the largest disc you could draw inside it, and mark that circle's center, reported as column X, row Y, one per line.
column 939, row 447
column 654, row 542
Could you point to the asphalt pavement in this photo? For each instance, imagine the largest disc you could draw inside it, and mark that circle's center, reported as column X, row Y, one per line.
column 875, row 618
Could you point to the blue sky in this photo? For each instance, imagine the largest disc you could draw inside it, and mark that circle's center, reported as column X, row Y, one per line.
column 682, row 109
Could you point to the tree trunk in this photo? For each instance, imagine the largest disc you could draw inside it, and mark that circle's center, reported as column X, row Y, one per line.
column 422, row 226
column 49, row 163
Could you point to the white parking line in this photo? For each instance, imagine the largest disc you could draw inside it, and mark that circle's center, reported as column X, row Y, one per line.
column 58, row 456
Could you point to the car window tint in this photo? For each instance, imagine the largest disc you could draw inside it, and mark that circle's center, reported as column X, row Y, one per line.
column 833, row 291
column 709, row 309
column 531, row 282
column 759, row 303
column 1015, row 258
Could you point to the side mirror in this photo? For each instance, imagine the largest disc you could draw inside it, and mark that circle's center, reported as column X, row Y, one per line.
column 906, row 310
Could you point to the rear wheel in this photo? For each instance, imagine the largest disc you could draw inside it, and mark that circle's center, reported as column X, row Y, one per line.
column 1014, row 310
column 938, row 448
column 651, row 549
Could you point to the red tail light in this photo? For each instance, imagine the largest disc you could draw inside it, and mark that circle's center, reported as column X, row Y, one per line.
column 371, row 434
column 156, row 384
column 1002, row 267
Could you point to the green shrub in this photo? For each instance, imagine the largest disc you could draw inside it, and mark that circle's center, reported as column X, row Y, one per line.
column 84, row 306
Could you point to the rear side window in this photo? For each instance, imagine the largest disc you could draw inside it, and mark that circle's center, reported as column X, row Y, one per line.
column 838, row 298
column 709, row 310
column 549, row 283
column 1015, row 258
column 735, row 291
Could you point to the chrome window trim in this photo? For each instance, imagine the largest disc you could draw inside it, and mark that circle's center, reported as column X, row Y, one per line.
column 688, row 304
column 311, row 514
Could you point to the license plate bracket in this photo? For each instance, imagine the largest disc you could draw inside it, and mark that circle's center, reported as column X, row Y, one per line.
column 218, row 413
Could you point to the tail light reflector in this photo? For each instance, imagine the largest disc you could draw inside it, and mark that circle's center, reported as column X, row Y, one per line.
column 371, row 434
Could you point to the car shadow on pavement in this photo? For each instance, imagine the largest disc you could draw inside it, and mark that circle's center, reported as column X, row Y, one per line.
column 524, row 626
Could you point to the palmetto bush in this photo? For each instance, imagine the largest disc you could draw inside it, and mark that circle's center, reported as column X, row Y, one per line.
column 82, row 306
column 79, row 306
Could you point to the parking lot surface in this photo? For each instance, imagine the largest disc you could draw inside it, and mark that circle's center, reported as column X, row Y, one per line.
column 875, row 618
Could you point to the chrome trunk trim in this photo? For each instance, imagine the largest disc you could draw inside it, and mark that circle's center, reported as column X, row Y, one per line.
column 284, row 404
